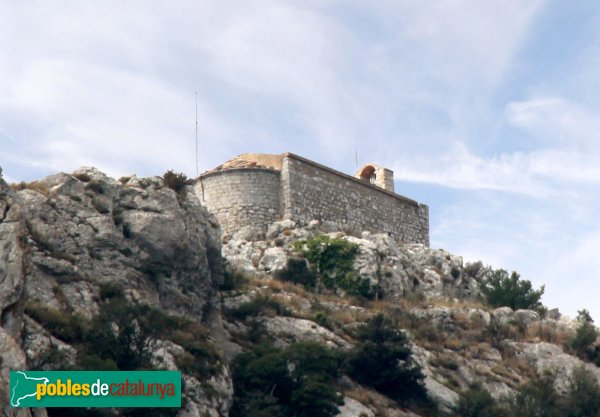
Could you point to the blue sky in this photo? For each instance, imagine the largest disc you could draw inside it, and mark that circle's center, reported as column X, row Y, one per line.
column 486, row 111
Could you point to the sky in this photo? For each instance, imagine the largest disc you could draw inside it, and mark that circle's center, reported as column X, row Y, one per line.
column 486, row 111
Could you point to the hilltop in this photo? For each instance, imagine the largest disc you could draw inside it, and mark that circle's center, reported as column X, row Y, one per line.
column 83, row 256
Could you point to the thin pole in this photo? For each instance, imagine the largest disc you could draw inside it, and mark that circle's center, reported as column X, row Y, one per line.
column 196, row 93
column 356, row 157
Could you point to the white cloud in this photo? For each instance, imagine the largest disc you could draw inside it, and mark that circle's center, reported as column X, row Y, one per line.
column 271, row 76
column 556, row 121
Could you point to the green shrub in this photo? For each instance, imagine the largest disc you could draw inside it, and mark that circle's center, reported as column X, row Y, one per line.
column 501, row 290
column 295, row 381
column 93, row 362
column 110, row 290
column 298, row 272
column 175, row 181
column 120, row 333
column 65, row 326
column 582, row 398
column 50, row 358
column 120, row 336
column 194, row 366
column 201, row 358
column 123, row 332
column 261, row 305
column 537, row 398
column 322, row 319
column 331, row 260
column 232, row 279
column 382, row 360
column 477, row 402
column 583, row 344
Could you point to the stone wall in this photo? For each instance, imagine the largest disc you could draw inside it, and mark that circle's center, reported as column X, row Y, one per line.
column 241, row 197
column 312, row 191
column 296, row 188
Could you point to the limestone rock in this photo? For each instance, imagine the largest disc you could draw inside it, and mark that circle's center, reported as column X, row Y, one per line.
column 90, row 230
column 549, row 357
column 45, row 351
column 13, row 358
column 276, row 228
column 442, row 395
column 273, row 260
column 400, row 270
column 527, row 316
column 289, row 329
column 12, row 254
column 503, row 315
column 209, row 399
column 353, row 408
column 65, row 238
column 249, row 234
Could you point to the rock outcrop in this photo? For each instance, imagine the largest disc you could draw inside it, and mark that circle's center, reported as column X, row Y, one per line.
column 86, row 229
column 70, row 242
column 68, row 239
column 400, row 270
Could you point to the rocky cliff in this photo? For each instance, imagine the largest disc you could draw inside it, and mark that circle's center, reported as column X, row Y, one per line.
column 81, row 250
column 69, row 241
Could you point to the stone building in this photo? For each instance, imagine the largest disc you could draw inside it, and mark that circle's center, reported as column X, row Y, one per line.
column 258, row 189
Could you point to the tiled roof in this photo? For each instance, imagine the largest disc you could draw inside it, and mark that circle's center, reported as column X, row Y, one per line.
column 240, row 161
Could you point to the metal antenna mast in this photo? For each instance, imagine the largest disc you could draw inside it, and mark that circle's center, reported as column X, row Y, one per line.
column 196, row 93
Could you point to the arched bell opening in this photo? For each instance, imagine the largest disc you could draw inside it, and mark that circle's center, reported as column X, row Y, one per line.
column 368, row 174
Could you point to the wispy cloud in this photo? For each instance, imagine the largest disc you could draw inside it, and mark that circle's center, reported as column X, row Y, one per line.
column 554, row 121
column 445, row 93
column 316, row 78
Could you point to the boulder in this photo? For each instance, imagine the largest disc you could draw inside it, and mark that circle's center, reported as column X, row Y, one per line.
column 276, row 228
column 527, row 316
column 290, row 329
column 550, row 357
column 353, row 408
column 249, row 234
column 503, row 315
column 274, row 259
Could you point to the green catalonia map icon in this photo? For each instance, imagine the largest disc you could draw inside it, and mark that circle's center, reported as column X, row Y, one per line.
column 23, row 386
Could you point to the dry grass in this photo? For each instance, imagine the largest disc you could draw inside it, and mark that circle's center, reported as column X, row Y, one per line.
column 39, row 186
column 457, row 303
column 276, row 286
column 511, row 372
column 479, row 350
column 456, row 343
column 349, row 316
column 372, row 399
column 18, row 186
column 258, row 282
column 450, row 379
column 445, row 360
column 299, row 306
column 461, row 318
column 548, row 332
